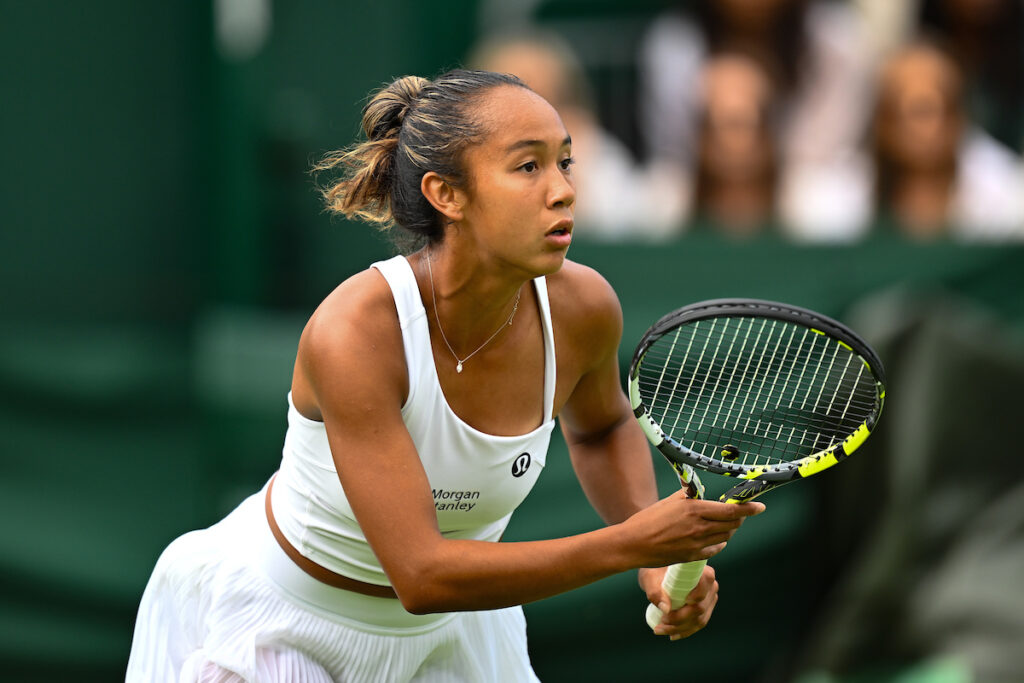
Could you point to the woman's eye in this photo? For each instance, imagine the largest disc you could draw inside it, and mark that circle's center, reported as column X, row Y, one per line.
column 566, row 163
column 529, row 166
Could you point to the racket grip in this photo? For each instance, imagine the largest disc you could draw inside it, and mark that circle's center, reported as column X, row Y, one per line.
column 679, row 580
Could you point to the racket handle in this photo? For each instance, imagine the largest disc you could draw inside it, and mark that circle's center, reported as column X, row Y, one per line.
column 679, row 580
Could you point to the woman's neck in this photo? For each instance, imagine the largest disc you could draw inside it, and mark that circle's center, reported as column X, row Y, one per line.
column 468, row 300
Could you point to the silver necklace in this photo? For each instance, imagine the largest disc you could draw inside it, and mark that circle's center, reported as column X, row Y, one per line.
column 460, row 361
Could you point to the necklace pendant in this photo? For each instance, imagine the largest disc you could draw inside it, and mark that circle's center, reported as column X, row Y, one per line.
column 458, row 368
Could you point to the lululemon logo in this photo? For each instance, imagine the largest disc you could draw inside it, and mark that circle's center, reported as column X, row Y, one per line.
column 520, row 465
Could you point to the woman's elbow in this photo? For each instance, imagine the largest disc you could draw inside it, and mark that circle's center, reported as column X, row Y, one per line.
column 420, row 597
column 419, row 588
column 424, row 582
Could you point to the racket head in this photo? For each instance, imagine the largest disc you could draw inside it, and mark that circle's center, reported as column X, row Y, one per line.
column 754, row 389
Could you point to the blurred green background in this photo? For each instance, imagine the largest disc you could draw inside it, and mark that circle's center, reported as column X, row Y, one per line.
column 162, row 246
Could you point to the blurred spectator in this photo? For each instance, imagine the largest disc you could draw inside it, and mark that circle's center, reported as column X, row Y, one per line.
column 929, row 170
column 934, row 170
column 616, row 197
column 986, row 38
column 736, row 167
column 813, row 51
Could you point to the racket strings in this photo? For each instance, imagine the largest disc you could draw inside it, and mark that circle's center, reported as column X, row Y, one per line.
column 756, row 381
column 850, row 400
column 776, row 427
column 859, row 397
column 776, row 391
column 785, row 366
column 767, row 439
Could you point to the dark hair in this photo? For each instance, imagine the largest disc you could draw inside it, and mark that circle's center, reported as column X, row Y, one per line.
column 412, row 126
column 995, row 75
column 788, row 35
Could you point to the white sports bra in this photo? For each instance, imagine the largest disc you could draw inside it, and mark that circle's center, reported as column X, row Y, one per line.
column 477, row 479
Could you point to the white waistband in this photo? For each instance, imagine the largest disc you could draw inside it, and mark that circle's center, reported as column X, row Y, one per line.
column 363, row 612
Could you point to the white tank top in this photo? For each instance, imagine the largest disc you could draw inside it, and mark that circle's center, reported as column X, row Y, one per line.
column 477, row 479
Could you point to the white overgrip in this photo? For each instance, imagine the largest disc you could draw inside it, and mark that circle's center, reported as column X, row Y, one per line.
column 679, row 580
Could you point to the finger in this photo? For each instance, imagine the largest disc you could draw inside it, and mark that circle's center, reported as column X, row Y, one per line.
column 661, row 599
column 672, row 617
column 658, row 598
column 651, row 580
column 680, row 618
column 687, row 620
column 715, row 534
column 725, row 512
column 704, row 587
column 697, row 594
column 703, row 594
column 688, row 631
column 710, row 551
column 710, row 527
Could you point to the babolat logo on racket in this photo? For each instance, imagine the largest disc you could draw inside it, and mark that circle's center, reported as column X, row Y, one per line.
column 520, row 465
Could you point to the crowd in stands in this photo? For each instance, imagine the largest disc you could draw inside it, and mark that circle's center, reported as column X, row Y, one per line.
column 821, row 121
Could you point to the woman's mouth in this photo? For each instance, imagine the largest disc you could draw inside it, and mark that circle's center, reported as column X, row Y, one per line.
column 560, row 233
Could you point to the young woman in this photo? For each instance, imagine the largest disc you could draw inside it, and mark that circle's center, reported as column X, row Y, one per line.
column 422, row 402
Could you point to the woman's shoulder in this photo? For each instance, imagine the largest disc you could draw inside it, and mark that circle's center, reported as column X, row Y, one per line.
column 584, row 306
column 362, row 301
column 356, row 320
column 581, row 280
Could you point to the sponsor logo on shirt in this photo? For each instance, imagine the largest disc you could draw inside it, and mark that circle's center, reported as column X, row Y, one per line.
column 461, row 501
column 520, row 465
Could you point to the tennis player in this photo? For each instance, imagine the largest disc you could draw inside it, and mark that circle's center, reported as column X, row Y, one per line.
column 422, row 402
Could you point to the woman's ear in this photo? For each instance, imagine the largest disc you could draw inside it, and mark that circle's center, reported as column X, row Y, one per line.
column 442, row 196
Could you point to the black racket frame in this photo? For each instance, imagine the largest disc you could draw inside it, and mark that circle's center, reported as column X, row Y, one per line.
column 760, row 478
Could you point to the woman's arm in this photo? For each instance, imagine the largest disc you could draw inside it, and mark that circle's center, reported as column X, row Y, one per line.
column 610, row 452
column 351, row 363
column 613, row 463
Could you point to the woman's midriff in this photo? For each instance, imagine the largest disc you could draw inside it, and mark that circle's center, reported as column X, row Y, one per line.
column 321, row 574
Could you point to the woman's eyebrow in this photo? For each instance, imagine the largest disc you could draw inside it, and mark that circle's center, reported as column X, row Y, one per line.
column 521, row 144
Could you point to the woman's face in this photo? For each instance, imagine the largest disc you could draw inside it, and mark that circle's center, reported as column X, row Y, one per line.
column 518, row 206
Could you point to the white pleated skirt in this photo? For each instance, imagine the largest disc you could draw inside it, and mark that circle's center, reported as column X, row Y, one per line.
column 226, row 605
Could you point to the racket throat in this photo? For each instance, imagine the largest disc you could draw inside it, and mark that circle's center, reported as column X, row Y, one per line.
column 749, row 490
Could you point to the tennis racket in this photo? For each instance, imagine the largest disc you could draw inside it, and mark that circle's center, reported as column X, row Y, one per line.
column 756, row 390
